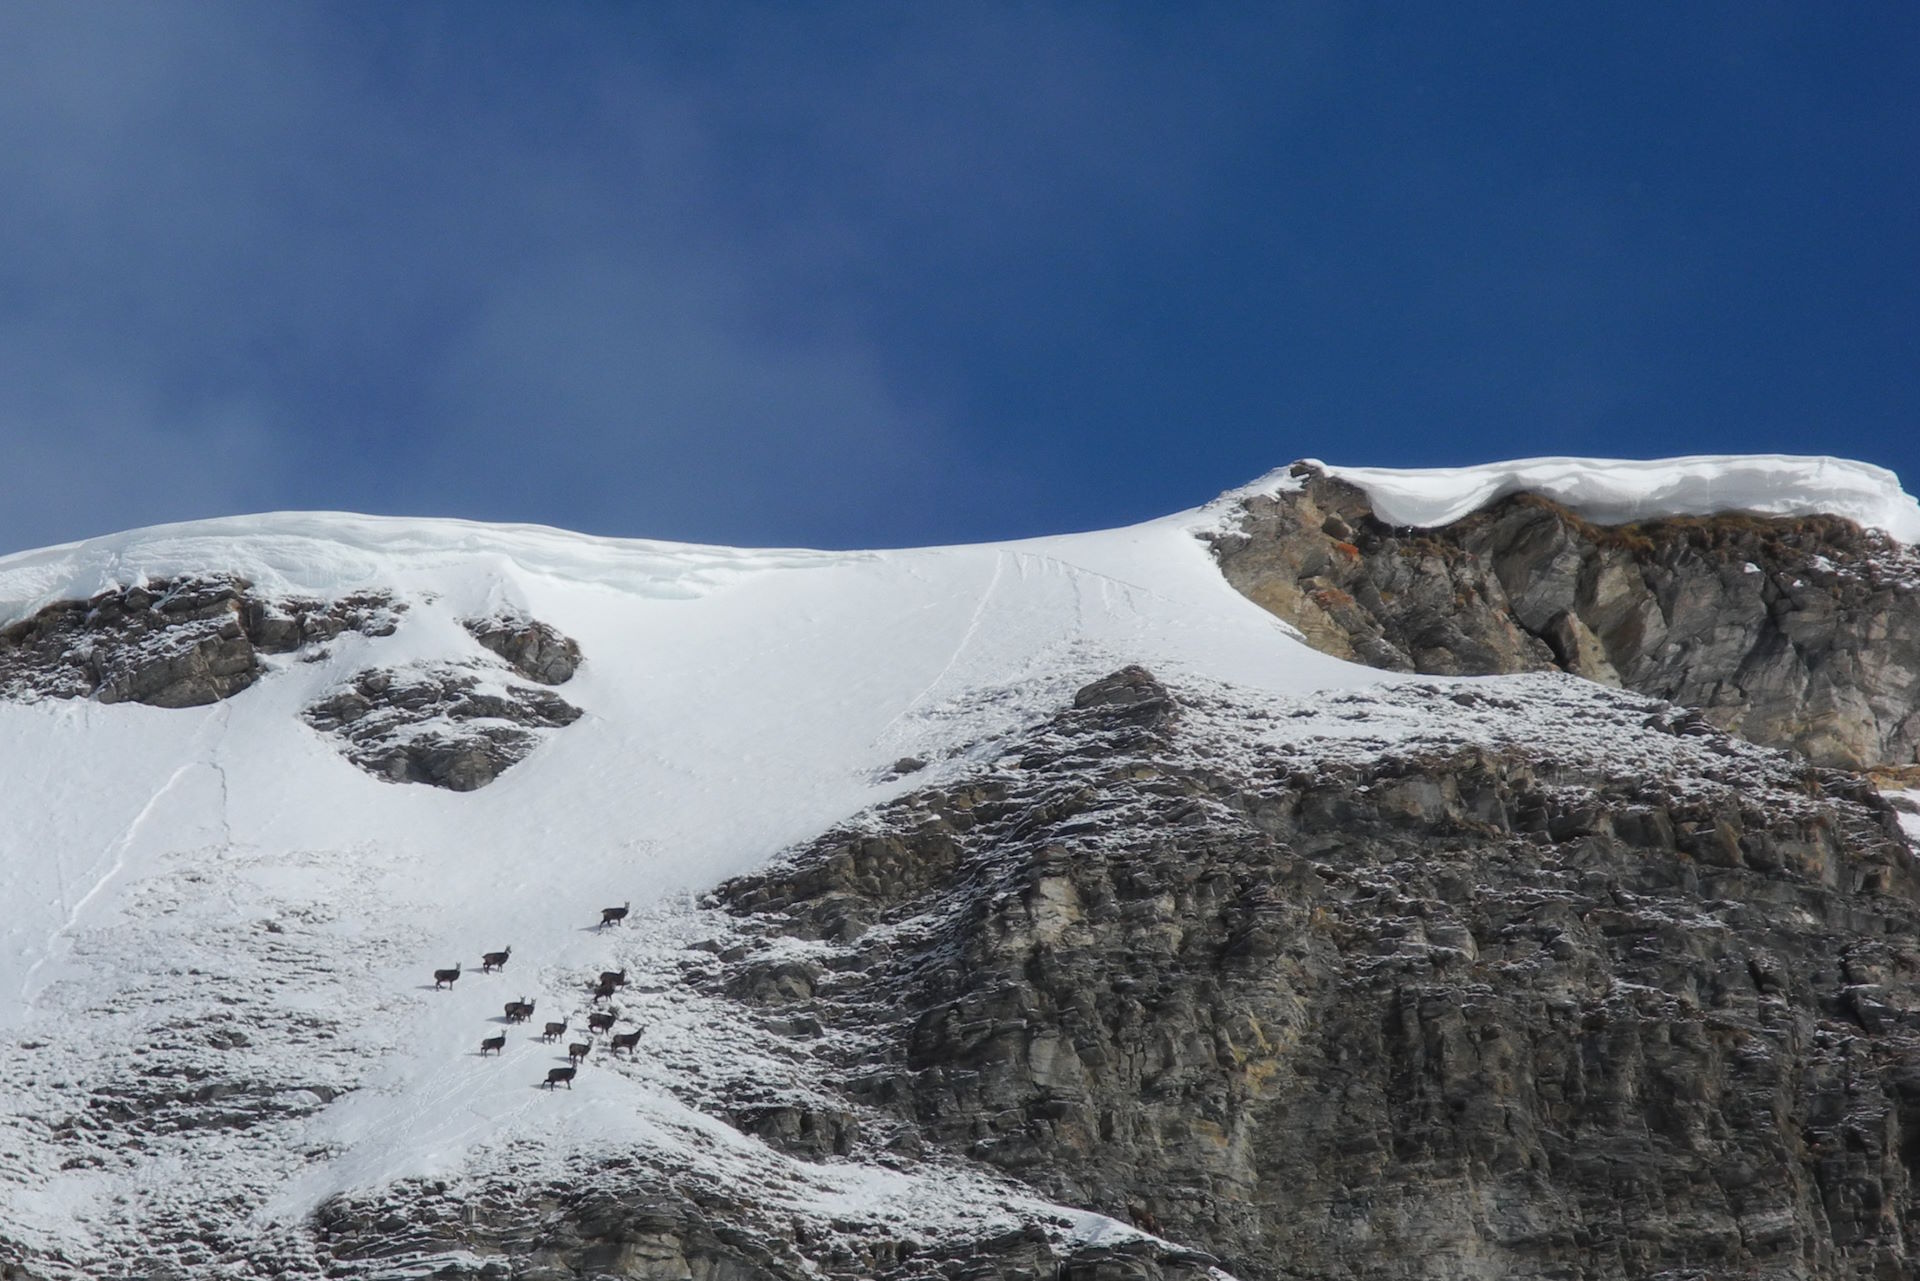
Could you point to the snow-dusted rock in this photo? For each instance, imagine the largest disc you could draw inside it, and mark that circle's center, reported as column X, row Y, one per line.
column 452, row 726
column 1382, row 1006
column 181, row 642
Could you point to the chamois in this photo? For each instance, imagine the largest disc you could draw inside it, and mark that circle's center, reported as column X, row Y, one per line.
column 446, row 976
column 604, row 992
column 614, row 978
column 553, row 1031
column 602, row 1022
column 615, row 915
column 519, row 1011
column 578, row 1051
column 560, row 1076
column 494, row 1043
column 495, row 961
column 626, row 1041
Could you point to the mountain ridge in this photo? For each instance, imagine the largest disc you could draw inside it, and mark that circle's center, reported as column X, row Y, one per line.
column 226, row 1060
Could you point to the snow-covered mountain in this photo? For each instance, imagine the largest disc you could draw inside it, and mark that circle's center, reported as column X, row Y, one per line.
column 262, row 777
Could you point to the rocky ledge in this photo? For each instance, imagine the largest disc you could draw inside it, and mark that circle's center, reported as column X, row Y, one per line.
column 189, row 641
column 180, row 642
column 1796, row 632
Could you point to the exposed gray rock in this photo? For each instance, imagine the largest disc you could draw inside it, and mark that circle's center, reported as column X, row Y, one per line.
column 180, row 642
column 532, row 648
column 190, row 641
column 1795, row 632
column 450, row 726
column 1440, row 1010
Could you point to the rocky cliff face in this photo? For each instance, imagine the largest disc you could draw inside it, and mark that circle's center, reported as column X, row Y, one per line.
column 1453, row 1009
column 1795, row 632
column 1536, row 980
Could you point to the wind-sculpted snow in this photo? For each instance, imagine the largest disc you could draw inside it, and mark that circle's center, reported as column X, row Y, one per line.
column 334, row 553
column 1615, row 491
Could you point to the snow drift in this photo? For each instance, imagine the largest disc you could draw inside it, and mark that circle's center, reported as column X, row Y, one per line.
column 1615, row 491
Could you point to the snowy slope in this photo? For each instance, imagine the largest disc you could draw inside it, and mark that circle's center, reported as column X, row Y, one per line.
column 736, row 702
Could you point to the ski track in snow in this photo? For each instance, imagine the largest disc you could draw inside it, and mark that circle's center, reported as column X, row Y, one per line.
column 116, row 863
column 117, row 860
column 966, row 638
column 241, row 875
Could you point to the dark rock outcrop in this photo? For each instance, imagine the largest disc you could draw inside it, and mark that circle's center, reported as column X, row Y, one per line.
column 180, row 642
column 443, row 725
column 1569, row 984
column 189, row 641
column 532, row 648
column 1796, row 632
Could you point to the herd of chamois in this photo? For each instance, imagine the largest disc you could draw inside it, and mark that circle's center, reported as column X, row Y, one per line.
column 521, row 1011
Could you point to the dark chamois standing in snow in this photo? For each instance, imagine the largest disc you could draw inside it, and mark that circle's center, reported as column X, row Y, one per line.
column 613, row 978
column 604, row 992
column 625, row 1041
column 446, row 976
column 602, row 1022
column 494, row 1043
column 615, row 915
column 578, row 1051
column 553, row 1031
column 519, row 1011
column 560, row 1076
column 495, row 961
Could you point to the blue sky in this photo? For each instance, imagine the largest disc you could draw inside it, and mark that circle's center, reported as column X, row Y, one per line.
column 898, row 274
